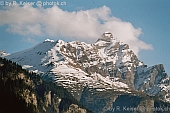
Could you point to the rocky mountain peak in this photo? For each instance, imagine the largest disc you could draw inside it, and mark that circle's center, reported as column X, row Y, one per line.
column 107, row 37
column 106, row 64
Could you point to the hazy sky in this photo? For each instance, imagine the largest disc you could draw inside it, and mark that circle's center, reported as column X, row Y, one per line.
column 143, row 24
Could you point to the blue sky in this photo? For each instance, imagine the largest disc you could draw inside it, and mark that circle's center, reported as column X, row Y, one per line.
column 143, row 24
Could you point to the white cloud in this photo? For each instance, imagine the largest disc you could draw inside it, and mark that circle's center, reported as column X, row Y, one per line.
column 82, row 25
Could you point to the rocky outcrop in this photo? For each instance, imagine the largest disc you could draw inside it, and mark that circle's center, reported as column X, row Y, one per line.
column 100, row 102
column 120, row 102
column 75, row 109
column 153, row 80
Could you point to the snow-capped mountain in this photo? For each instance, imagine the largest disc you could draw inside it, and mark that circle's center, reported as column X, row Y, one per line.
column 105, row 65
column 3, row 53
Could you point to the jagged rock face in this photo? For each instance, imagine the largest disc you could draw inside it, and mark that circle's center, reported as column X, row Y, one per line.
column 105, row 57
column 120, row 102
column 153, row 80
column 105, row 64
column 100, row 102
column 53, row 102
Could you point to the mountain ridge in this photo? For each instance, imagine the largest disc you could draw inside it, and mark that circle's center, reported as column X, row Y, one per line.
column 106, row 65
